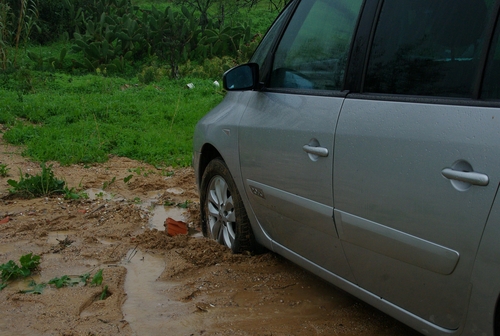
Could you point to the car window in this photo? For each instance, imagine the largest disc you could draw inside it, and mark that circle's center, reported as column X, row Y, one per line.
column 491, row 85
column 262, row 51
column 427, row 47
column 313, row 51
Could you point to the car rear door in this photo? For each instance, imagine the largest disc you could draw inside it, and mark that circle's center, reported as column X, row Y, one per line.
column 417, row 157
column 286, row 133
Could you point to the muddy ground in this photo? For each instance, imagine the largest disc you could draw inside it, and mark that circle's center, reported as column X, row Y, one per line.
column 156, row 285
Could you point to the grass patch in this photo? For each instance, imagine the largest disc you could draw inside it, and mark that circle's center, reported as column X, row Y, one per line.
column 83, row 119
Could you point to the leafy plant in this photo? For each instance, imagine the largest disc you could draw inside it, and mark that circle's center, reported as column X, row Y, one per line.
column 67, row 281
column 73, row 194
column 35, row 288
column 29, row 261
column 126, row 179
column 97, row 279
column 84, row 277
column 60, row 282
column 11, row 270
column 4, row 170
column 42, row 184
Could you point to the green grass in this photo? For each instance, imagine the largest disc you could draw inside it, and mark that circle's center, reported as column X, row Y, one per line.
column 82, row 119
column 71, row 117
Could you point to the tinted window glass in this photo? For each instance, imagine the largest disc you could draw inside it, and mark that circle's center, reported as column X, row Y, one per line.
column 427, row 47
column 491, row 85
column 313, row 51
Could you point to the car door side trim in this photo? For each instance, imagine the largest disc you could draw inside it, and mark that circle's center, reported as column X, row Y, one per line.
column 396, row 244
column 317, row 215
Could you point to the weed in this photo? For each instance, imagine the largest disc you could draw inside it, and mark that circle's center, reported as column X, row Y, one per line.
column 35, row 288
column 167, row 173
column 11, row 271
column 97, row 279
column 42, row 184
column 108, row 183
column 4, row 170
column 84, row 277
column 184, row 205
column 60, row 282
column 29, row 261
column 137, row 200
column 73, row 194
column 169, row 203
column 137, row 170
column 104, row 293
column 126, row 179
column 67, row 281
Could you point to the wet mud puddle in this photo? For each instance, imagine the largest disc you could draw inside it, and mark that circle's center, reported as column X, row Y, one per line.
column 148, row 308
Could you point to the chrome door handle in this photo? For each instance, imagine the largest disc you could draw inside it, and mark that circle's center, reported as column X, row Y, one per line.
column 467, row 177
column 319, row 151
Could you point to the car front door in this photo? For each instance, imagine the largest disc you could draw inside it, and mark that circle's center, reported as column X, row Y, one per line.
column 417, row 157
column 286, row 134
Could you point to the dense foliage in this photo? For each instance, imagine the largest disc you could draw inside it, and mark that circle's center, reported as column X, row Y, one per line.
column 114, row 34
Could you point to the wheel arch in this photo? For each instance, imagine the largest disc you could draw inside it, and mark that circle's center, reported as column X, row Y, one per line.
column 208, row 153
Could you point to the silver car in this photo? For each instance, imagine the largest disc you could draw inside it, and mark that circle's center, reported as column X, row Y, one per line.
column 362, row 142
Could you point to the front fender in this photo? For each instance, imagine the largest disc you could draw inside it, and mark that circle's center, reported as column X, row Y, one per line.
column 486, row 278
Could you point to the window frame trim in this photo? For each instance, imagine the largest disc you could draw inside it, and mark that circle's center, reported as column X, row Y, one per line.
column 434, row 100
column 487, row 52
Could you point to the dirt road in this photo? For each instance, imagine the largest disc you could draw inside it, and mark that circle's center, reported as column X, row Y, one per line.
column 156, row 285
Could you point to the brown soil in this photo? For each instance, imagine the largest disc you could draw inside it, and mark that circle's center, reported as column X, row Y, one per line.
column 156, row 285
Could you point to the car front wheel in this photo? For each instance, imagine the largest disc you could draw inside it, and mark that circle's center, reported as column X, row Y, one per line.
column 223, row 214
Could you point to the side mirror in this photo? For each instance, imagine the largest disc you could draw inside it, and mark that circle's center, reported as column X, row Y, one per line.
column 243, row 77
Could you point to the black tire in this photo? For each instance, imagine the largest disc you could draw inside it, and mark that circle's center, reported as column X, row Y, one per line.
column 223, row 215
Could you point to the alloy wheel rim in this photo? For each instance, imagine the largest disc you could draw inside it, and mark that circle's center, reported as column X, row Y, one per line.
column 221, row 214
